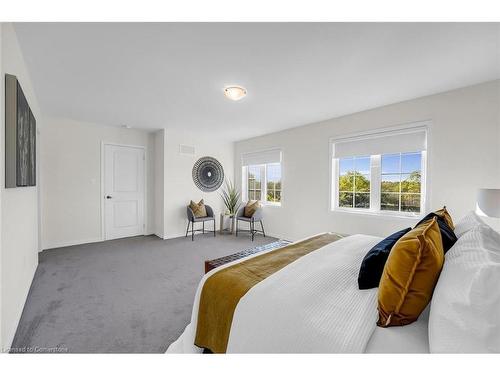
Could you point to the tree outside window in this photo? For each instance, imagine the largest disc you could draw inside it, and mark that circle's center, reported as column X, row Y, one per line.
column 354, row 182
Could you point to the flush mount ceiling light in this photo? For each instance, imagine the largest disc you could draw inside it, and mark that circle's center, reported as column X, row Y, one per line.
column 235, row 92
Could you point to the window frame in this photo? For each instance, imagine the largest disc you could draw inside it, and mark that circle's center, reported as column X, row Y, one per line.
column 281, row 182
column 400, row 173
column 353, row 192
column 262, row 172
column 263, row 189
column 376, row 177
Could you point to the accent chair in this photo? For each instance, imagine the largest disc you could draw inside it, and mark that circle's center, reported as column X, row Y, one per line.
column 256, row 217
column 193, row 219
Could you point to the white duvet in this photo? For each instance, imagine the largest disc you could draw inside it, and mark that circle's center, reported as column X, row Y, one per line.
column 312, row 305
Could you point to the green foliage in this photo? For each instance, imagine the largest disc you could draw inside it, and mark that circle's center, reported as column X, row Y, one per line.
column 409, row 202
column 345, row 199
column 362, row 200
column 389, row 201
column 390, row 186
column 410, row 184
column 346, row 182
column 361, row 184
column 354, row 182
column 273, row 191
column 351, row 179
column 231, row 197
column 354, row 191
column 274, row 196
column 274, row 185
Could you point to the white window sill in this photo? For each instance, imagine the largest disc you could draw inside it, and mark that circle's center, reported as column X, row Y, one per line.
column 270, row 204
column 378, row 214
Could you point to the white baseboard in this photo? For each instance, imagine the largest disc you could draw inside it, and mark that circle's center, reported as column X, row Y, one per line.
column 175, row 235
column 56, row 245
column 172, row 236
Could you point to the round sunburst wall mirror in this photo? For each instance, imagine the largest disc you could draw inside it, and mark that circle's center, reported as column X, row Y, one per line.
column 208, row 174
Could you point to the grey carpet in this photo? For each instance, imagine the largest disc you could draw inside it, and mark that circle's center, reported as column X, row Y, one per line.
column 130, row 295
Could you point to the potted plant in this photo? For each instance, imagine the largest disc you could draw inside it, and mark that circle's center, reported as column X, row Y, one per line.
column 231, row 197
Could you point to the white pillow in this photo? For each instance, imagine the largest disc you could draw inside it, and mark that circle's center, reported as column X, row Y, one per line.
column 465, row 308
column 468, row 222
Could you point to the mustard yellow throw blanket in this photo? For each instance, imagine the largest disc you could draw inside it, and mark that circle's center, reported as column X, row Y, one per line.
column 223, row 290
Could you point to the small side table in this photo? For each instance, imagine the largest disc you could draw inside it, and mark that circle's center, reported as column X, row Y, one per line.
column 223, row 220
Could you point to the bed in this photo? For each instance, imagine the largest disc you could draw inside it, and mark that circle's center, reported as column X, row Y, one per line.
column 314, row 305
column 320, row 291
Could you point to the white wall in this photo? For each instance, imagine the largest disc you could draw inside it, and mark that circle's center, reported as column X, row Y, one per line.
column 19, row 219
column 159, row 166
column 2, row 172
column 70, row 167
column 179, row 187
column 71, row 171
column 464, row 155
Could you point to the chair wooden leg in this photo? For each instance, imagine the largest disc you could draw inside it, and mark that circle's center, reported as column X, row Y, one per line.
column 252, row 227
column 192, row 231
column 262, row 226
column 237, row 227
column 214, row 226
column 187, row 229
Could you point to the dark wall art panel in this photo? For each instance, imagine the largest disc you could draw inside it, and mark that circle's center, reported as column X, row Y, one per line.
column 32, row 150
column 23, row 135
column 20, row 137
column 208, row 174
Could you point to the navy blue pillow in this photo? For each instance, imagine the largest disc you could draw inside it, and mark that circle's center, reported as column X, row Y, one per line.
column 374, row 261
column 448, row 237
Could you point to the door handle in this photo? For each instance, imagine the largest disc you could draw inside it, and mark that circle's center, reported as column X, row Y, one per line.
column 108, row 197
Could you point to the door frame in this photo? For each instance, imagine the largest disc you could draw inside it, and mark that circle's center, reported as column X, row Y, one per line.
column 102, row 190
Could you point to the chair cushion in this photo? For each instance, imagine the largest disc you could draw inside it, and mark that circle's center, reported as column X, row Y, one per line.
column 250, row 208
column 244, row 218
column 410, row 274
column 206, row 218
column 198, row 209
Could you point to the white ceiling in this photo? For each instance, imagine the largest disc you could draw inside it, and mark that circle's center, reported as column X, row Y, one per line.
column 171, row 75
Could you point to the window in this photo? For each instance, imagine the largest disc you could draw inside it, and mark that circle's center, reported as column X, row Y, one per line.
column 262, row 178
column 401, row 182
column 255, row 173
column 273, row 183
column 263, row 183
column 354, row 182
column 380, row 173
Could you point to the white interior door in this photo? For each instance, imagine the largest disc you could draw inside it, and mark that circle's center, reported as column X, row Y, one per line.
column 123, row 191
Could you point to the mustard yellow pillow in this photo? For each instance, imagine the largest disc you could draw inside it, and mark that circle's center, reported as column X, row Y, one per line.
column 443, row 213
column 198, row 209
column 410, row 274
column 250, row 208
